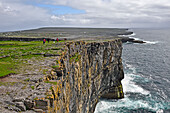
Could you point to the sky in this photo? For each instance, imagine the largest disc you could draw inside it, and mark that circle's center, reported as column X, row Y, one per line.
column 28, row 14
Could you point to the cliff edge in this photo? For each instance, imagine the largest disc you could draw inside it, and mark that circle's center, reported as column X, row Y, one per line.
column 86, row 72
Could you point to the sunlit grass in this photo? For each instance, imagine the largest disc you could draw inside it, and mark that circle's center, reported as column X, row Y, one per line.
column 12, row 53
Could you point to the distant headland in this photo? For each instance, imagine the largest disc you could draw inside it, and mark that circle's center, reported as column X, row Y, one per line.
column 69, row 33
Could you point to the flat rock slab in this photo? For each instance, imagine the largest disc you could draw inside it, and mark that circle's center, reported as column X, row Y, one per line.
column 17, row 93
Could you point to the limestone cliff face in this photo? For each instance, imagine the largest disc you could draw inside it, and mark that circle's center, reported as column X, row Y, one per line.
column 87, row 72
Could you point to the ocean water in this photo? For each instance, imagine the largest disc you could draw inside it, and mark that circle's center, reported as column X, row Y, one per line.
column 147, row 75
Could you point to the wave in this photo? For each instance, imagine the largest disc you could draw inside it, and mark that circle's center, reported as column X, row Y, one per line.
column 132, row 36
column 124, row 105
column 127, row 35
column 146, row 42
column 151, row 42
column 135, row 38
column 129, row 103
column 128, row 83
column 136, row 98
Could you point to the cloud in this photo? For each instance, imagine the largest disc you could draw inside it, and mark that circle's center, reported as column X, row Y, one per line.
column 122, row 11
column 23, row 14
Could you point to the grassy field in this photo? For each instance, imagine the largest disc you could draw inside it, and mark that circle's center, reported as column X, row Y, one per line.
column 14, row 53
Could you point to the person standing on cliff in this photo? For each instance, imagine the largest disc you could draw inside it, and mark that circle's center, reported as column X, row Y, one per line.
column 57, row 40
column 44, row 41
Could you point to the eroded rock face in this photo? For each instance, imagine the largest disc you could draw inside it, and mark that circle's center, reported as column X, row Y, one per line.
column 89, row 71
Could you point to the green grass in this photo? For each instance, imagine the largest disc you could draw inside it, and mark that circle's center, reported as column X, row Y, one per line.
column 32, row 87
column 54, row 83
column 56, row 66
column 6, row 66
column 19, row 51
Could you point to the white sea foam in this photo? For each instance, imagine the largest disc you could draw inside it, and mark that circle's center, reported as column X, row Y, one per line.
column 147, row 42
column 107, row 106
column 103, row 105
column 151, row 42
column 128, row 86
column 128, row 103
column 112, row 106
column 127, row 35
column 135, row 38
column 128, row 83
column 132, row 36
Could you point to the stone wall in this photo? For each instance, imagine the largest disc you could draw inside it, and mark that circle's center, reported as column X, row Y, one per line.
column 86, row 72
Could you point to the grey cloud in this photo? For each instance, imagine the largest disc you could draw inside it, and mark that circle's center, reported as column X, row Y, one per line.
column 111, row 12
column 160, row 6
column 102, row 13
column 17, row 15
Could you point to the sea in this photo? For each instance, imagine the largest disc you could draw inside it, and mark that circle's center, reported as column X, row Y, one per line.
column 146, row 82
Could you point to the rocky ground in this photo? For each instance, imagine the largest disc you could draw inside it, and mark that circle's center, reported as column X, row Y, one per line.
column 18, row 91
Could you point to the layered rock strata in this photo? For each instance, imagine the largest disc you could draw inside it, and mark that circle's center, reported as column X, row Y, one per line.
column 86, row 72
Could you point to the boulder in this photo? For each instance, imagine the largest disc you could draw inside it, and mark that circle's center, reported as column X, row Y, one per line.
column 41, row 104
column 29, row 104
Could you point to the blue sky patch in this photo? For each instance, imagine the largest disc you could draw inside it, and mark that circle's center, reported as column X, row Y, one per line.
column 61, row 10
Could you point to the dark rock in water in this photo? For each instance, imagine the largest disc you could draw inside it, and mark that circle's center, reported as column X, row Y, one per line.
column 127, row 39
column 137, row 41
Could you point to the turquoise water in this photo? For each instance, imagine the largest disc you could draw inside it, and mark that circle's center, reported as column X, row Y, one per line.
column 147, row 75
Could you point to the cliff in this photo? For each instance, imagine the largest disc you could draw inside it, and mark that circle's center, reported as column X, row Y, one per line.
column 86, row 72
